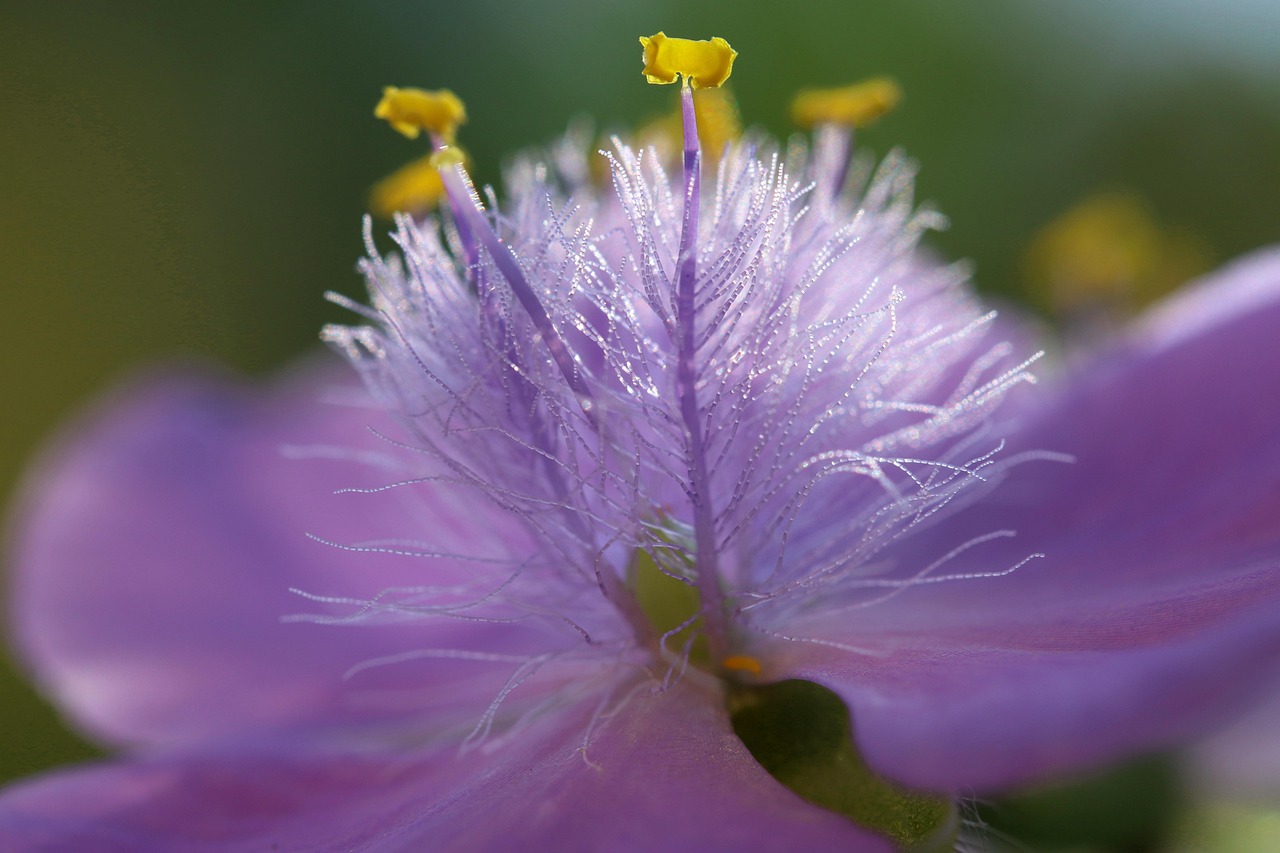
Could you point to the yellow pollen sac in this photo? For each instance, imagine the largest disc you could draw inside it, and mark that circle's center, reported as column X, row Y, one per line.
column 851, row 106
column 742, row 663
column 718, row 121
column 411, row 111
column 1110, row 254
column 414, row 189
column 702, row 64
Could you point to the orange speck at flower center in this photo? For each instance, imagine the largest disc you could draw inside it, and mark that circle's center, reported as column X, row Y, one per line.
column 742, row 663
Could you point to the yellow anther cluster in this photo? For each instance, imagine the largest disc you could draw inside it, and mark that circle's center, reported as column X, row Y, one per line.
column 702, row 64
column 411, row 111
column 850, row 106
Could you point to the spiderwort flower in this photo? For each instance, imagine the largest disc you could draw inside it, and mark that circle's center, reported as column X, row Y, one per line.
column 628, row 459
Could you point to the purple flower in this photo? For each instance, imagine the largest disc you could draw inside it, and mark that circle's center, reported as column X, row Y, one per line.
column 621, row 449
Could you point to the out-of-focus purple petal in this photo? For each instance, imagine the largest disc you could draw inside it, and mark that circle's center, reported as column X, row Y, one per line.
column 665, row 773
column 158, row 541
column 1242, row 761
column 1245, row 286
column 1154, row 608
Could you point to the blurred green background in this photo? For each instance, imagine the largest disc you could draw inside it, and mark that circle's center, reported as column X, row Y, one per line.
column 185, row 180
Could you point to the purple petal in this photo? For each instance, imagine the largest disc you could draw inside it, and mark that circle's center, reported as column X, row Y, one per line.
column 157, row 544
column 664, row 774
column 1241, row 762
column 1154, row 607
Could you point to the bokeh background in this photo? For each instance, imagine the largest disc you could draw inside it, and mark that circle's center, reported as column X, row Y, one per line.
column 183, row 181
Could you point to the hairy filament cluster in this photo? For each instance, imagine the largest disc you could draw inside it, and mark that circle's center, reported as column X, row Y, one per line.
column 847, row 390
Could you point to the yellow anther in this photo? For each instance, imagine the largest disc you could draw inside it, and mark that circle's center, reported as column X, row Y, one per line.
column 852, row 106
column 1110, row 253
column 742, row 663
column 718, row 120
column 415, row 189
column 703, row 64
column 412, row 111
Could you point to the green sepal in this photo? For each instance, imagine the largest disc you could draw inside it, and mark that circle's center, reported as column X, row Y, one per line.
column 802, row 733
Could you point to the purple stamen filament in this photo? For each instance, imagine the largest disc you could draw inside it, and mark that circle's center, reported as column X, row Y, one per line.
column 469, row 254
column 707, row 555
column 468, row 212
column 472, row 225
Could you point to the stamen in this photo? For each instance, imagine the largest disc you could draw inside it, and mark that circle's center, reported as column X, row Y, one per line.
column 466, row 204
column 411, row 111
column 701, row 64
column 849, row 106
column 836, row 113
column 439, row 113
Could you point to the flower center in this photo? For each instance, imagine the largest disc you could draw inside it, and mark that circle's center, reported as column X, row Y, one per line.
column 672, row 609
column 668, row 596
